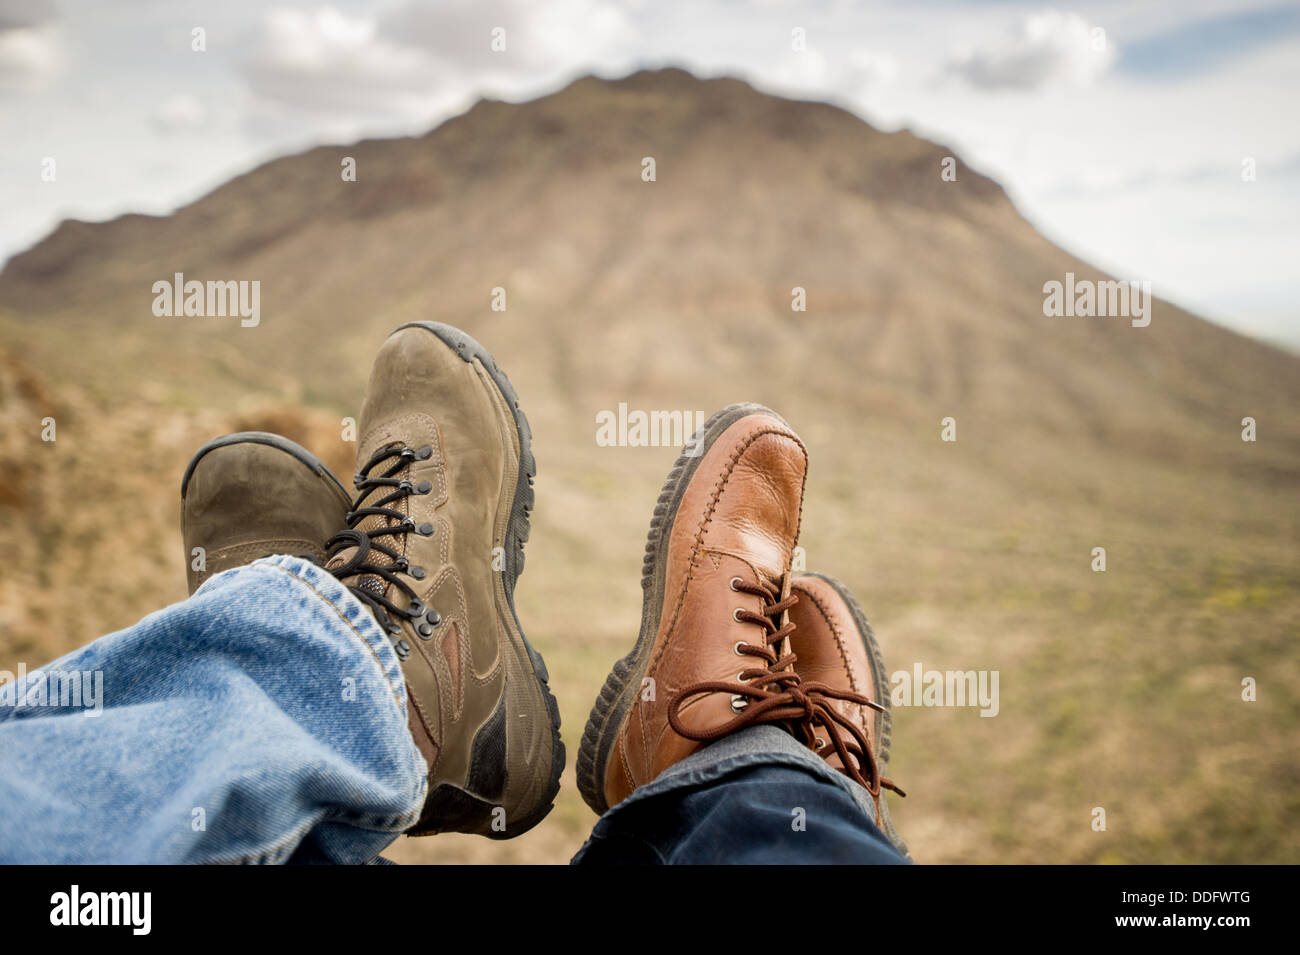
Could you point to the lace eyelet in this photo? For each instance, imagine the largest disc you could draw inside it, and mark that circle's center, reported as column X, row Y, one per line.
column 735, row 615
column 819, row 744
column 738, row 702
column 736, row 647
column 424, row 487
column 734, row 581
column 418, row 573
column 424, row 453
column 415, row 609
column 740, row 677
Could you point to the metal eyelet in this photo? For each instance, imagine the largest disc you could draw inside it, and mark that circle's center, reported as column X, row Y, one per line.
column 415, row 609
column 424, row 453
column 819, row 744
column 735, row 615
column 418, row 573
column 734, row 581
column 424, row 487
column 740, row 677
column 738, row 702
column 736, row 648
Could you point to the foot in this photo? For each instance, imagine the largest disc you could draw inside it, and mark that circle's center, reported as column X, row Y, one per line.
column 711, row 656
column 251, row 495
column 434, row 545
column 835, row 648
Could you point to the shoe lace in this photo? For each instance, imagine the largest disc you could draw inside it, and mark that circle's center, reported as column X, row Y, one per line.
column 374, row 559
column 775, row 693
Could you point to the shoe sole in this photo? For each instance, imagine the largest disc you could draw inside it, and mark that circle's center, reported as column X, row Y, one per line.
column 624, row 682
column 517, row 531
column 261, row 437
column 884, row 720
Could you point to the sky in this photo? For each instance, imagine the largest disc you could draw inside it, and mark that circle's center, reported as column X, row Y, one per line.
column 1157, row 140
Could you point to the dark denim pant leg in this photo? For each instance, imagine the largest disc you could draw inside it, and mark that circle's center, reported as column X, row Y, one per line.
column 755, row 797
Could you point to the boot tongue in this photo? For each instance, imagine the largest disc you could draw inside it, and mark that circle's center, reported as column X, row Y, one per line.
column 372, row 585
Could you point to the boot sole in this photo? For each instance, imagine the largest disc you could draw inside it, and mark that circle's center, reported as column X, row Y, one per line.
column 624, row 682
column 884, row 721
column 517, row 531
column 262, row 437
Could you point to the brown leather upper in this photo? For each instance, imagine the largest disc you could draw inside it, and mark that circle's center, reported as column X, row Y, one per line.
column 738, row 518
column 832, row 649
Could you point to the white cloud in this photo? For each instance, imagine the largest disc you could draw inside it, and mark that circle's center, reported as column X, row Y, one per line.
column 561, row 33
column 1049, row 48
column 180, row 113
column 328, row 60
column 28, row 57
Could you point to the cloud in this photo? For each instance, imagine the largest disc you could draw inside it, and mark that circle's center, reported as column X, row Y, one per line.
column 18, row 14
column 328, row 60
column 1049, row 48
column 869, row 71
column 413, row 59
column 536, row 36
column 179, row 113
column 28, row 57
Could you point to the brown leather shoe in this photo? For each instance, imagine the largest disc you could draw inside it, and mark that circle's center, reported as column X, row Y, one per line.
column 254, row 494
column 434, row 545
column 834, row 647
column 711, row 655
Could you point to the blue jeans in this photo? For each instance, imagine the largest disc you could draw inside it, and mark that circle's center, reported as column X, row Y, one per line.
column 264, row 720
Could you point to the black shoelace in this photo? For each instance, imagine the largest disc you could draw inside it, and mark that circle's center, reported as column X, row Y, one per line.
column 373, row 578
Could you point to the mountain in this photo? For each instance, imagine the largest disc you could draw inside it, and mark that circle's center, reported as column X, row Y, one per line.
column 924, row 300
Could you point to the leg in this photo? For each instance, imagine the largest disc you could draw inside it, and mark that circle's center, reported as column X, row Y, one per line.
column 757, row 797
column 750, row 721
column 262, row 720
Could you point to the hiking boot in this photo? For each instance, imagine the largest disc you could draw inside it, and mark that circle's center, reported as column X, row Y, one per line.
column 251, row 495
column 711, row 657
column 834, row 647
column 434, row 546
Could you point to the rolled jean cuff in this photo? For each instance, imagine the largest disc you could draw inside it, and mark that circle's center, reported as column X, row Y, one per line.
column 350, row 610
column 748, row 748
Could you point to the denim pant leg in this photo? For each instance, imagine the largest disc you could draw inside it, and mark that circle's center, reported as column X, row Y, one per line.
column 755, row 797
column 262, row 720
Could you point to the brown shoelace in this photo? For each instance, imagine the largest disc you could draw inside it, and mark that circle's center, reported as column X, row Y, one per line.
column 774, row 693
